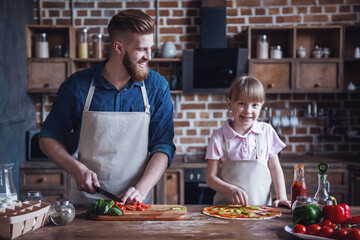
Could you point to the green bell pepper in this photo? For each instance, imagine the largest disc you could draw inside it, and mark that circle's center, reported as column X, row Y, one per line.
column 307, row 214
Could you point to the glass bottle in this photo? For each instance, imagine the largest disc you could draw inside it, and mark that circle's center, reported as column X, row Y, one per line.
column 34, row 196
column 98, row 46
column 262, row 47
column 41, row 46
column 62, row 212
column 298, row 187
column 83, row 47
column 322, row 194
column 7, row 188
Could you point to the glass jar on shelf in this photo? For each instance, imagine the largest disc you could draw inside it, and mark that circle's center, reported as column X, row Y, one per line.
column 83, row 46
column 62, row 212
column 262, row 47
column 98, row 46
column 276, row 52
column 41, row 46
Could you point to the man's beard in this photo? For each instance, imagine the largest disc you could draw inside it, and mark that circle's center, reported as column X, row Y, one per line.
column 137, row 74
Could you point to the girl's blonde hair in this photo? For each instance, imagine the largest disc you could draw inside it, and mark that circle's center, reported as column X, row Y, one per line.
column 246, row 87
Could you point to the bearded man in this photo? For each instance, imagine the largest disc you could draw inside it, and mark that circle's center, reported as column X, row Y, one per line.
column 121, row 113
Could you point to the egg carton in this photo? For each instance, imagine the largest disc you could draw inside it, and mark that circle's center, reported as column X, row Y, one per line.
column 22, row 218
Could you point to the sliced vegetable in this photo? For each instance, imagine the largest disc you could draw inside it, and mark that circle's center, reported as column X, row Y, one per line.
column 101, row 207
column 177, row 208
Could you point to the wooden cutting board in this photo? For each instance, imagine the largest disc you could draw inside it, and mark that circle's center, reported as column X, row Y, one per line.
column 155, row 213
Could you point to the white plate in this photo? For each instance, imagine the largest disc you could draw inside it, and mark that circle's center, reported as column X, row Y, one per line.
column 288, row 228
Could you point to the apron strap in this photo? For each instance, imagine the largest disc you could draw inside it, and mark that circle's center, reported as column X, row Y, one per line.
column 257, row 143
column 89, row 96
column 92, row 90
column 226, row 148
column 145, row 98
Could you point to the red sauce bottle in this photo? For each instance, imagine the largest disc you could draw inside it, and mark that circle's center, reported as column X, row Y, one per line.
column 298, row 187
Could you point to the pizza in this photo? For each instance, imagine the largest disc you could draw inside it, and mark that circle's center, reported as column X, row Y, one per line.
column 239, row 212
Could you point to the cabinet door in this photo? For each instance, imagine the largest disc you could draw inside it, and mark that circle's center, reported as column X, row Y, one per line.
column 275, row 75
column 355, row 187
column 46, row 75
column 174, row 186
column 317, row 76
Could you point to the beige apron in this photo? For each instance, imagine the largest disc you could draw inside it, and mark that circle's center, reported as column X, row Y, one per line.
column 251, row 175
column 115, row 146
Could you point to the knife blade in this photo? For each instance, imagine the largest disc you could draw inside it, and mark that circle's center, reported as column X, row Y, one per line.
column 107, row 194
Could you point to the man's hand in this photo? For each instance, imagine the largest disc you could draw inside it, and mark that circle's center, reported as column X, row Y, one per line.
column 85, row 179
column 132, row 195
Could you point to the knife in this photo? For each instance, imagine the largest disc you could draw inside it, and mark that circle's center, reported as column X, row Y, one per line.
column 107, row 194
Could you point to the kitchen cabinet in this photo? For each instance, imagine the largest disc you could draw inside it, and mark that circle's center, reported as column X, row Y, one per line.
column 354, row 178
column 293, row 74
column 170, row 189
column 351, row 64
column 46, row 74
column 44, row 176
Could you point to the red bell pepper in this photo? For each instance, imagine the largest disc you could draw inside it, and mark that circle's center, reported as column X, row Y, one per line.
column 336, row 213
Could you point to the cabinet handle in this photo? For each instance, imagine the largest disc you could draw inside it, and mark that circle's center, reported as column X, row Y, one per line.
column 42, row 180
column 168, row 177
column 46, row 85
column 271, row 85
column 317, row 85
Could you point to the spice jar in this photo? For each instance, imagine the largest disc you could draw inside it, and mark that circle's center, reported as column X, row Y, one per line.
column 83, row 47
column 301, row 200
column 262, row 47
column 41, row 46
column 62, row 212
column 34, row 196
column 98, row 46
column 276, row 52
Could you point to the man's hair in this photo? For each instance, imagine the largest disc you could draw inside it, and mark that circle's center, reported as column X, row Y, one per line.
column 247, row 87
column 130, row 21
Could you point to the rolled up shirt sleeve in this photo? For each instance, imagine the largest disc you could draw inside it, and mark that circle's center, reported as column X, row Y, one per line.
column 162, row 125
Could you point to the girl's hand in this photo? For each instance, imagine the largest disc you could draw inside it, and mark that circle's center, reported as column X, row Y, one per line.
column 282, row 202
column 239, row 196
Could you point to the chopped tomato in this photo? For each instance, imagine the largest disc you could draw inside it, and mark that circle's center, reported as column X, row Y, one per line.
column 131, row 207
column 141, row 208
column 145, row 205
column 299, row 228
column 122, row 207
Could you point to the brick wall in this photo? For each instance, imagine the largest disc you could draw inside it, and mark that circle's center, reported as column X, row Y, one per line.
column 198, row 115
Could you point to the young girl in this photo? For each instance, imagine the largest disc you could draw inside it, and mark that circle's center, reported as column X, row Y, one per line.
column 246, row 150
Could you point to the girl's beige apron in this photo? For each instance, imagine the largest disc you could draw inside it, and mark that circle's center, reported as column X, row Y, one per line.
column 251, row 175
column 115, row 146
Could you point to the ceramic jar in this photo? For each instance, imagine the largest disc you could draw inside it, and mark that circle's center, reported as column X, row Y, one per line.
column 326, row 52
column 168, row 50
column 317, row 52
column 301, row 52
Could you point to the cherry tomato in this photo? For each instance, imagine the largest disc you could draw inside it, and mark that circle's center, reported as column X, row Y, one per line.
column 299, row 228
column 354, row 234
column 313, row 229
column 341, row 234
column 325, row 232
column 325, row 223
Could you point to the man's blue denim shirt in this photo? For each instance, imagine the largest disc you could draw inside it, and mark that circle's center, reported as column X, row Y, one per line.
column 66, row 113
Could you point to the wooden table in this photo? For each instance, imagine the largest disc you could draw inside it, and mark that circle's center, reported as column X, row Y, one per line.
column 196, row 226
